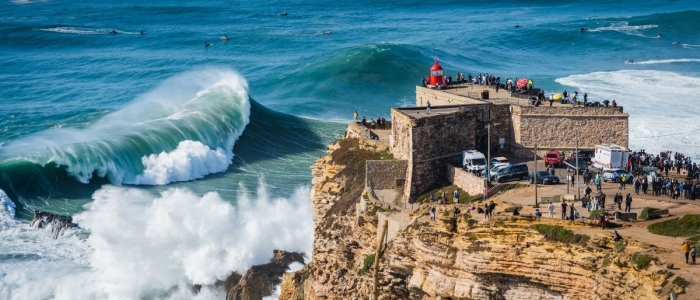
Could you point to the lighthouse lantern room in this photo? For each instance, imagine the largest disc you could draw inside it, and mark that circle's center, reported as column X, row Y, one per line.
column 436, row 75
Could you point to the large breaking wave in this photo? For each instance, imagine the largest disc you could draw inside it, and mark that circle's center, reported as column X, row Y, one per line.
column 184, row 129
column 133, row 244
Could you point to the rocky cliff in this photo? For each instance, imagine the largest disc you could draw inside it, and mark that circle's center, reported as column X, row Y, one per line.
column 507, row 257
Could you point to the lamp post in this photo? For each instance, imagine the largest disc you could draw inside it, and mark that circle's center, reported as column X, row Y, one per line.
column 488, row 152
column 535, row 174
column 578, row 182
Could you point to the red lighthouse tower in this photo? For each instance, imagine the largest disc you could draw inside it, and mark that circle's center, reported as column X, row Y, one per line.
column 436, row 74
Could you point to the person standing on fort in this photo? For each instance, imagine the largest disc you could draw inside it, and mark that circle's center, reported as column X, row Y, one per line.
column 428, row 106
column 432, row 213
column 551, row 210
column 563, row 210
column 455, row 199
column 585, row 99
column 628, row 203
column 686, row 251
column 355, row 115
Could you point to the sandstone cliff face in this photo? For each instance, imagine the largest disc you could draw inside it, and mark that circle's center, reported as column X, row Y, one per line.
column 460, row 258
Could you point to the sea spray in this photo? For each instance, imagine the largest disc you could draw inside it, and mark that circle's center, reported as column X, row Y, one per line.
column 145, row 247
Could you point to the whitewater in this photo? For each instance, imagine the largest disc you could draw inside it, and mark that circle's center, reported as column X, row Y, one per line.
column 182, row 163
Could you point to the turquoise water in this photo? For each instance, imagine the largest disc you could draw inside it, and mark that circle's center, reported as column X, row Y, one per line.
column 84, row 110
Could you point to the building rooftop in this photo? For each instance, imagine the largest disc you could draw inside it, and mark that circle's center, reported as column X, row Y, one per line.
column 471, row 94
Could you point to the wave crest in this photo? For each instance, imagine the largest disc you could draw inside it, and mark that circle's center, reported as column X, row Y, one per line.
column 210, row 107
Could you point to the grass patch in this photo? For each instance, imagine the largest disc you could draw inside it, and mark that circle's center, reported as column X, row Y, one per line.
column 643, row 261
column 644, row 215
column 688, row 225
column 559, row 234
column 620, row 246
column 369, row 260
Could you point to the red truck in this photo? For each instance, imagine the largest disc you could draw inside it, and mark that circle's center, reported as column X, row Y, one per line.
column 552, row 158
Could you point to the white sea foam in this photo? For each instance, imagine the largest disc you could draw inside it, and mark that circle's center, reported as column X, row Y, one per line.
column 7, row 211
column 663, row 113
column 85, row 30
column 624, row 27
column 191, row 160
column 142, row 246
column 668, row 61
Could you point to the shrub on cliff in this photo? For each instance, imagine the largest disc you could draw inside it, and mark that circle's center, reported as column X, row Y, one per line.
column 559, row 234
column 369, row 260
column 643, row 261
column 688, row 225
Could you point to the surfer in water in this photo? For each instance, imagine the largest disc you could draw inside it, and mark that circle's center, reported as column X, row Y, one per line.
column 143, row 32
column 583, row 29
column 112, row 31
column 630, row 61
column 284, row 13
column 517, row 26
column 224, row 38
column 659, row 35
column 677, row 43
column 206, row 44
column 327, row 32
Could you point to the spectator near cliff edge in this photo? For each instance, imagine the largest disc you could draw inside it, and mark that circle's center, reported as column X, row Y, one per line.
column 563, row 210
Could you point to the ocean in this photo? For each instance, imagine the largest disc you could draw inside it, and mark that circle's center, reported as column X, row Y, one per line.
column 182, row 163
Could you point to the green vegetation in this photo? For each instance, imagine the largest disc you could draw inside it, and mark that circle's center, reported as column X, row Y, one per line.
column 643, row 261
column 644, row 215
column 559, row 234
column 596, row 214
column 369, row 260
column 688, row 225
column 620, row 246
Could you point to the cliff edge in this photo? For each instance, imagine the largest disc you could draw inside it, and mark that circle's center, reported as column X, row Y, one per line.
column 507, row 257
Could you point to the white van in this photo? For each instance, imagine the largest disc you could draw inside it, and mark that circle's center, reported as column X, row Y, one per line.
column 473, row 161
column 610, row 157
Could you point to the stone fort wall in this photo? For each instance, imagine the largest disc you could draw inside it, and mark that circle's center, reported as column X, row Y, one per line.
column 558, row 128
column 430, row 143
column 470, row 183
column 383, row 174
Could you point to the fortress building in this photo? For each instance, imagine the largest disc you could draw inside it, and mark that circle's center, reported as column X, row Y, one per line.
column 430, row 145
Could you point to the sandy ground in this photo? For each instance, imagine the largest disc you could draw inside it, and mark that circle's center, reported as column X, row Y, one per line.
column 671, row 246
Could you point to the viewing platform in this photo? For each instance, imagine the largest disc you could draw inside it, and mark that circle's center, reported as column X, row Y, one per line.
column 471, row 94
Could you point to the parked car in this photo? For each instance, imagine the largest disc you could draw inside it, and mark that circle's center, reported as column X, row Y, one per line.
column 499, row 161
column 615, row 175
column 587, row 155
column 494, row 170
column 552, row 158
column 512, row 172
column 571, row 165
column 544, row 177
